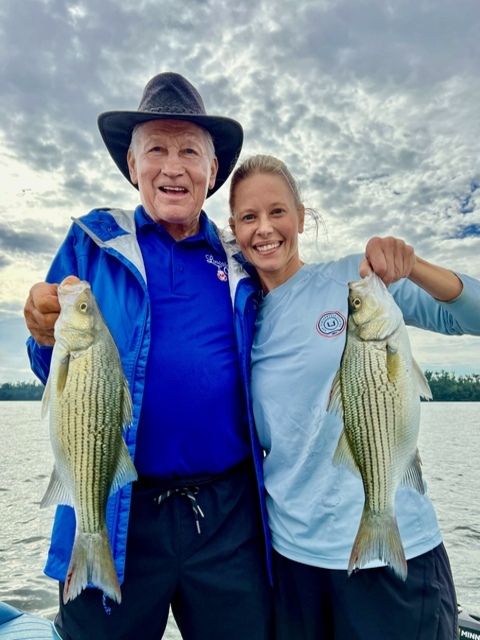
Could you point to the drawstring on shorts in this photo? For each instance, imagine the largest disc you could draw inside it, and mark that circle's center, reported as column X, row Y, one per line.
column 188, row 492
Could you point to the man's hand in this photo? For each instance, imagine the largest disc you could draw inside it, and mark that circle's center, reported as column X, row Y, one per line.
column 42, row 310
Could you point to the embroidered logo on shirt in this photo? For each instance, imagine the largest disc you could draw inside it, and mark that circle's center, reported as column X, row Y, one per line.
column 222, row 267
column 331, row 324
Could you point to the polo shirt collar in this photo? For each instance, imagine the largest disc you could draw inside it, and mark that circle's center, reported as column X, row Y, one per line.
column 208, row 230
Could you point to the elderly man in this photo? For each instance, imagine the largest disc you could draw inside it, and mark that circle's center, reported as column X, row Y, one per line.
column 191, row 533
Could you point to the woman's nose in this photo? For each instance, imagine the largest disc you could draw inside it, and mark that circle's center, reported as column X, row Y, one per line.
column 264, row 225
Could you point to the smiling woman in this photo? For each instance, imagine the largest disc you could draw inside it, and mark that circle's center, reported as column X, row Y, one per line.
column 314, row 504
column 269, row 219
column 267, row 226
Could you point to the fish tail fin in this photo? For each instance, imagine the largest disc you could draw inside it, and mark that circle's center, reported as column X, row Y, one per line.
column 378, row 538
column 91, row 563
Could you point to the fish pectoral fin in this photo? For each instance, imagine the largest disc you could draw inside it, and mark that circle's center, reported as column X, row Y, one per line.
column 413, row 475
column 61, row 380
column 425, row 391
column 393, row 364
column 125, row 471
column 392, row 348
column 62, row 373
column 343, row 456
column 335, row 402
column 56, row 492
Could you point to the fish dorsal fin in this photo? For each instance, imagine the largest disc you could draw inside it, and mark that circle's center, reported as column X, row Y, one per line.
column 335, row 403
column 413, row 475
column 127, row 407
column 343, row 456
column 125, row 471
column 424, row 387
column 56, row 492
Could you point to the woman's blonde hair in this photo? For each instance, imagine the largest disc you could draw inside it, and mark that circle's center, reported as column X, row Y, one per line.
column 264, row 165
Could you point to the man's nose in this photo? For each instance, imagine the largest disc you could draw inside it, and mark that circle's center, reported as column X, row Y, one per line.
column 172, row 165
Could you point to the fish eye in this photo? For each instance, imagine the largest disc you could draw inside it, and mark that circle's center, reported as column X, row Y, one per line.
column 83, row 307
column 356, row 303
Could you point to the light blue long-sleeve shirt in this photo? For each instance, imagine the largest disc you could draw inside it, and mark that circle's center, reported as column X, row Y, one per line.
column 313, row 507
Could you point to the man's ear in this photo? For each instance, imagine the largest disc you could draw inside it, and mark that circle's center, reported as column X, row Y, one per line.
column 132, row 169
column 231, row 222
column 213, row 172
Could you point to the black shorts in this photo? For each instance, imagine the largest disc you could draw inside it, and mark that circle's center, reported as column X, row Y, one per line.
column 215, row 581
column 372, row 604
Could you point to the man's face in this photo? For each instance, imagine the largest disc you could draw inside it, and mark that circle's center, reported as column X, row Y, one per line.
column 172, row 164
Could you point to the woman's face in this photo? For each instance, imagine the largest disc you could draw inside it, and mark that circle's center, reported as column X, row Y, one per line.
column 266, row 223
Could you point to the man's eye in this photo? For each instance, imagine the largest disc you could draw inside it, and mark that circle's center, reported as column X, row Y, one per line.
column 277, row 211
column 247, row 217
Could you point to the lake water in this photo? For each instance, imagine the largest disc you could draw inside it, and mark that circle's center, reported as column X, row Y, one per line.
column 449, row 445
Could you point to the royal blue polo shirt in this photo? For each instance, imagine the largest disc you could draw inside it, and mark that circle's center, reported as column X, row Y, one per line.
column 193, row 418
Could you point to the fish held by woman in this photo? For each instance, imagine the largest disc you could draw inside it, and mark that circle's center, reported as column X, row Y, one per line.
column 377, row 390
column 89, row 403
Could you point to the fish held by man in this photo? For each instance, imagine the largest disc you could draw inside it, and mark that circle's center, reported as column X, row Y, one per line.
column 89, row 403
column 377, row 389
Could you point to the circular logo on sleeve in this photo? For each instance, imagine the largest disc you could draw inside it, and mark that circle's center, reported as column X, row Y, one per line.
column 331, row 323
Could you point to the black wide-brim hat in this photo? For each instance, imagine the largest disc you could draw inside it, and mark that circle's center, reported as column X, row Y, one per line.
column 169, row 96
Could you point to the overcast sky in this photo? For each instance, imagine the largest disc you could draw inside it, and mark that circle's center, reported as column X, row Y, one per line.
column 374, row 105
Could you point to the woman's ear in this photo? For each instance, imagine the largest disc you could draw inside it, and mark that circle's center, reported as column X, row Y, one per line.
column 213, row 173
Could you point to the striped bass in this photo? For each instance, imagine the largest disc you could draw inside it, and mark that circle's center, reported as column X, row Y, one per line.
column 89, row 403
column 377, row 390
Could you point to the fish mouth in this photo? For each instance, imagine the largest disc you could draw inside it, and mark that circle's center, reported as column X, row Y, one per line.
column 69, row 291
column 267, row 247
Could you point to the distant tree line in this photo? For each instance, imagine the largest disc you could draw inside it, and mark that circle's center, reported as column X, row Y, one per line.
column 21, row 391
column 446, row 387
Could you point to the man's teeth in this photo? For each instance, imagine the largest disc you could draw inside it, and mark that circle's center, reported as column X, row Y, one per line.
column 181, row 189
column 267, row 247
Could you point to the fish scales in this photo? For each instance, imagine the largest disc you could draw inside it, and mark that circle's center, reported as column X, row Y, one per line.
column 89, row 403
column 367, row 413
column 377, row 390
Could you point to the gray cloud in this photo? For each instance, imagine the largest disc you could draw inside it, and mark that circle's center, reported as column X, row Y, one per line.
column 24, row 240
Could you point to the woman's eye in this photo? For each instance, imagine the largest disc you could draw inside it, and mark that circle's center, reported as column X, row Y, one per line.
column 277, row 211
column 247, row 217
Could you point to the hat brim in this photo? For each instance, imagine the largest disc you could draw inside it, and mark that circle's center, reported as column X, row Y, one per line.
column 116, row 130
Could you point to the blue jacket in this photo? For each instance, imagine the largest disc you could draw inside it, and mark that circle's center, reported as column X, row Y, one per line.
column 102, row 248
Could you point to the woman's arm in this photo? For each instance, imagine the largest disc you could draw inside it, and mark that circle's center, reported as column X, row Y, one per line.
column 392, row 259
